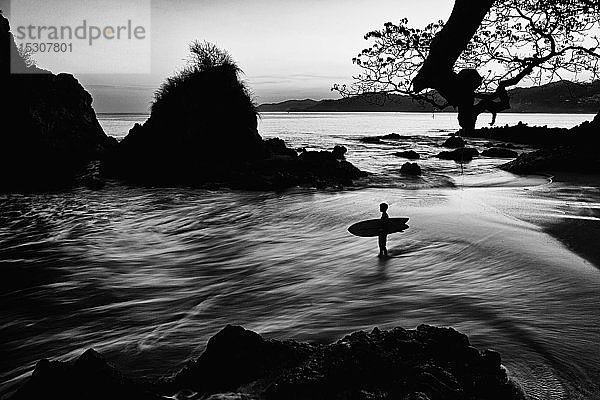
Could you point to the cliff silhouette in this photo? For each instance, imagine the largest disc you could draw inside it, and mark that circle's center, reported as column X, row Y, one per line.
column 51, row 131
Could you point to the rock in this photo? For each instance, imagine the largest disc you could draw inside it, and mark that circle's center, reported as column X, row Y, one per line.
column 465, row 154
column 501, row 145
column 380, row 139
column 499, row 153
column 410, row 169
column 391, row 136
column 89, row 377
column 581, row 159
column 371, row 140
column 339, row 152
column 426, row 363
column 50, row 128
column 537, row 135
column 410, row 154
column 562, row 150
column 213, row 140
column 454, row 142
column 277, row 146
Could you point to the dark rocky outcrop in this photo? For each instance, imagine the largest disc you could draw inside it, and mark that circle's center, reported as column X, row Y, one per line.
column 276, row 146
column 556, row 159
column 50, row 129
column 454, row 142
column 202, row 131
column 410, row 169
column 425, row 363
column 539, row 136
column 464, row 154
column 499, row 152
column 576, row 151
column 89, row 377
column 410, row 154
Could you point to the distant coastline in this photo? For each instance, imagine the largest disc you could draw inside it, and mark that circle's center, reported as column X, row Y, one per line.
column 558, row 97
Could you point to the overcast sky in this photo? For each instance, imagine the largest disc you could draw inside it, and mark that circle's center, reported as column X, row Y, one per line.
column 287, row 48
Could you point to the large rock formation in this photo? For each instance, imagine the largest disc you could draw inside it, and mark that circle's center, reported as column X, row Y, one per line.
column 425, row 363
column 571, row 150
column 203, row 131
column 50, row 131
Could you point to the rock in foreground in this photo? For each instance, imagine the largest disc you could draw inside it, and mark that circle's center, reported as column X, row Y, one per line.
column 425, row 363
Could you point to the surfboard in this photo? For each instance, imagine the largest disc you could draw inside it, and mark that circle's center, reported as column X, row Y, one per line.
column 372, row 227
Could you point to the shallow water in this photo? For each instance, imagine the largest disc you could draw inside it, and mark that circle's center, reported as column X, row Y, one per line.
column 146, row 276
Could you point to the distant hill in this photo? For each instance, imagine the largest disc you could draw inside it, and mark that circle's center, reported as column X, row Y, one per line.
column 556, row 97
column 289, row 105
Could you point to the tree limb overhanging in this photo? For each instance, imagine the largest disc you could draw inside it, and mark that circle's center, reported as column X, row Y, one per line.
column 483, row 49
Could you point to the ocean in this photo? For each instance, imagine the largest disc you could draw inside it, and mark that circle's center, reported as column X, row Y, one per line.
column 146, row 276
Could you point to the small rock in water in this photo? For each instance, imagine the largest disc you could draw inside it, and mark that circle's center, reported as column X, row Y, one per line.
column 410, row 154
column 339, row 152
column 454, row 142
column 464, row 154
column 371, row 140
column 410, row 169
column 379, row 139
column 391, row 136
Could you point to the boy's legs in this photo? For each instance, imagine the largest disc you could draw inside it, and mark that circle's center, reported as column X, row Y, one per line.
column 382, row 245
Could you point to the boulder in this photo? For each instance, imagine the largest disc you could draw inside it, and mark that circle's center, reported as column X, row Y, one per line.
column 89, row 377
column 410, row 154
column 371, row 140
column 276, row 146
column 498, row 152
column 465, row 154
column 454, row 142
column 380, row 139
column 410, row 169
column 339, row 152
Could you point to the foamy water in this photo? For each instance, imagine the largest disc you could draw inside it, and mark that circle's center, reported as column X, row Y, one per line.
column 146, row 276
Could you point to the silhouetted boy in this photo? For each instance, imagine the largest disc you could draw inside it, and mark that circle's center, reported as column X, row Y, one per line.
column 383, row 234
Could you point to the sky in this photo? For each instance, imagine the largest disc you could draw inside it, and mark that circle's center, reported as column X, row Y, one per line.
column 287, row 49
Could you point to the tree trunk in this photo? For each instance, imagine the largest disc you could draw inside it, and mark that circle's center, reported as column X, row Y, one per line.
column 437, row 70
